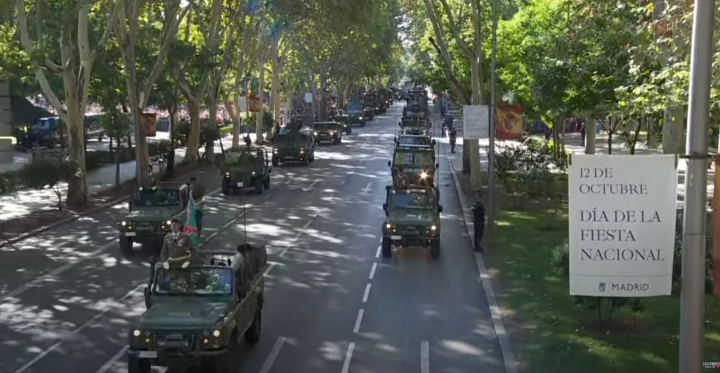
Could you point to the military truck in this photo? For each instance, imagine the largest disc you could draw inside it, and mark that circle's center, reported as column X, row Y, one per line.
column 328, row 132
column 405, row 140
column 371, row 104
column 414, row 126
column 412, row 220
column 294, row 146
column 417, row 162
column 199, row 314
column 356, row 114
column 245, row 167
column 387, row 96
column 150, row 214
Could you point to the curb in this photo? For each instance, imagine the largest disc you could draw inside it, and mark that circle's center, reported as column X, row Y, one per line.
column 502, row 336
column 75, row 217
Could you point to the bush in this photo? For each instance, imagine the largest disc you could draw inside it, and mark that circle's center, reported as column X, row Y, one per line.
column 48, row 170
column 604, row 307
column 10, row 181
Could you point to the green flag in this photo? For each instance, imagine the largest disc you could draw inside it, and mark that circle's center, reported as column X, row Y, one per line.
column 191, row 226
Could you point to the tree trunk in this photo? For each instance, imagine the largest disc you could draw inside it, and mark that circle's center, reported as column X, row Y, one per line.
column 323, row 95
column 193, row 144
column 77, row 185
column 118, row 149
column 212, row 120
column 476, row 78
column 275, row 84
column 589, row 134
column 234, row 112
column 261, row 96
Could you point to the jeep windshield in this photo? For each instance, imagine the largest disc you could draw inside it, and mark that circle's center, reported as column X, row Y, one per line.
column 157, row 197
column 194, row 280
column 412, row 200
column 288, row 138
column 414, row 159
column 242, row 157
column 326, row 126
column 354, row 107
column 414, row 140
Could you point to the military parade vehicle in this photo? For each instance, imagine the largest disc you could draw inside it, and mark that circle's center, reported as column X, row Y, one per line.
column 405, row 140
column 197, row 316
column 246, row 167
column 371, row 104
column 150, row 214
column 344, row 119
column 294, row 146
column 387, row 96
column 328, row 132
column 417, row 163
column 356, row 113
column 412, row 220
column 415, row 126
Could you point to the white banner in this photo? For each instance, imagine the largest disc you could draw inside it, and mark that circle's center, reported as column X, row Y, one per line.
column 622, row 224
column 476, row 122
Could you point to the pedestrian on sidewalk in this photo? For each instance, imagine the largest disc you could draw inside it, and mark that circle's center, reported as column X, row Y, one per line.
column 478, row 210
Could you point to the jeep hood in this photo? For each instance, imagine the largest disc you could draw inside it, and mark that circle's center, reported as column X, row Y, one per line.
column 152, row 213
column 184, row 312
column 412, row 217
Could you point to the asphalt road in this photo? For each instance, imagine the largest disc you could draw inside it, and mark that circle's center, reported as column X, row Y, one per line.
column 67, row 297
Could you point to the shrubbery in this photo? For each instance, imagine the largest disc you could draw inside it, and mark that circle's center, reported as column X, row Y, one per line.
column 48, row 170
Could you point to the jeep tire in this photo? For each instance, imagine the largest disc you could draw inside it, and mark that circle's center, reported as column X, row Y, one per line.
column 136, row 365
column 252, row 335
column 126, row 245
column 386, row 248
column 226, row 188
column 435, row 249
column 275, row 161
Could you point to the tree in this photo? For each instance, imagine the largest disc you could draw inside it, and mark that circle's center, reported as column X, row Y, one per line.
column 116, row 125
column 73, row 62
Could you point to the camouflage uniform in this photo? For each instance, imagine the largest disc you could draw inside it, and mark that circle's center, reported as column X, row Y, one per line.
column 179, row 248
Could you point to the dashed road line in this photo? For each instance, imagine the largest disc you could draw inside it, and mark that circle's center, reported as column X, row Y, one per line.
column 379, row 251
column 372, row 271
column 358, row 321
column 366, row 295
column 424, row 357
column 273, row 355
column 348, row 357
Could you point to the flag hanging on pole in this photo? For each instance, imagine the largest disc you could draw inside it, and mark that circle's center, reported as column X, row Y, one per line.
column 191, row 226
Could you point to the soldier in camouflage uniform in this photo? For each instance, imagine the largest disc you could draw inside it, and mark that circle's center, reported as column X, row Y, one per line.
column 177, row 247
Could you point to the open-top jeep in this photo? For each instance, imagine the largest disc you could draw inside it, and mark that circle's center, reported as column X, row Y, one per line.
column 296, row 145
column 150, row 214
column 417, row 162
column 246, row 167
column 328, row 132
column 199, row 314
column 412, row 220
column 414, row 126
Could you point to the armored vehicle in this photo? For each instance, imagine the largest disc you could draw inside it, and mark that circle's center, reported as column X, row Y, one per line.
column 414, row 126
column 328, row 132
column 198, row 315
column 150, row 214
column 246, row 167
column 417, row 163
column 406, row 140
column 294, row 146
column 356, row 114
column 412, row 220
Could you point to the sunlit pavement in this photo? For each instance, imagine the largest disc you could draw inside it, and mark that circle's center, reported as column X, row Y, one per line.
column 67, row 297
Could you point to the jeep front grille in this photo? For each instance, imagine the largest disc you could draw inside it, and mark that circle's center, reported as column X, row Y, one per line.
column 146, row 226
column 170, row 341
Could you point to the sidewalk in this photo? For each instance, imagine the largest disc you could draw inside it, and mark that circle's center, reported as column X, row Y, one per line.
column 28, row 201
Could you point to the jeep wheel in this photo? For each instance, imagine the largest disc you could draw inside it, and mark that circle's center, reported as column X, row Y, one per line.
column 258, row 186
column 266, row 182
column 362, row 124
column 126, row 245
column 226, row 189
column 386, row 248
column 348, row 130
column 252, row 335
column 275, row 161
column 306, row 160
column 435, row 249
column 136, row 365
column 312, row 156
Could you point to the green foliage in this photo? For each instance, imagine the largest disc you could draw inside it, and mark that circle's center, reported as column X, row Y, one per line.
column 604, row 307
column 116, row 125
column 48, row 170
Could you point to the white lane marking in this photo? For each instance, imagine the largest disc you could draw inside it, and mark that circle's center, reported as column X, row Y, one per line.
column 108, row 364
column 424, row 357
column 82, row 327
column 273, row 355
column 302, row 231
column 379, row 251
column 366, row 295
column 269, row 268
column 358, row 321
column 223, row 228
column 372, row 271
column 348, row 357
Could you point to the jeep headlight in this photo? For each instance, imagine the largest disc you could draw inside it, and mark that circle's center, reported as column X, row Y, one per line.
column 433, row 228
column 227, row 174
column 423, row 175
column 332, row 132
column 315, row 133
column 168, row 222
column 302, row 150
column 123, row 223
column 137, row 332
column 388, row 226
column 274, row 151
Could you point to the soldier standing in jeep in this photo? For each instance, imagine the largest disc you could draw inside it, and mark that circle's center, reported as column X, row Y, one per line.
column 177, row 247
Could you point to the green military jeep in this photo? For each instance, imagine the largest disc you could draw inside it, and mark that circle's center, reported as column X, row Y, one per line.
column 149, row 216
column 417, row 162
column 199, row 314
column 328, row 132
column 294, row 146
column 356, row 114
column 246, row 167
column 414, row 126
column 412, row 220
